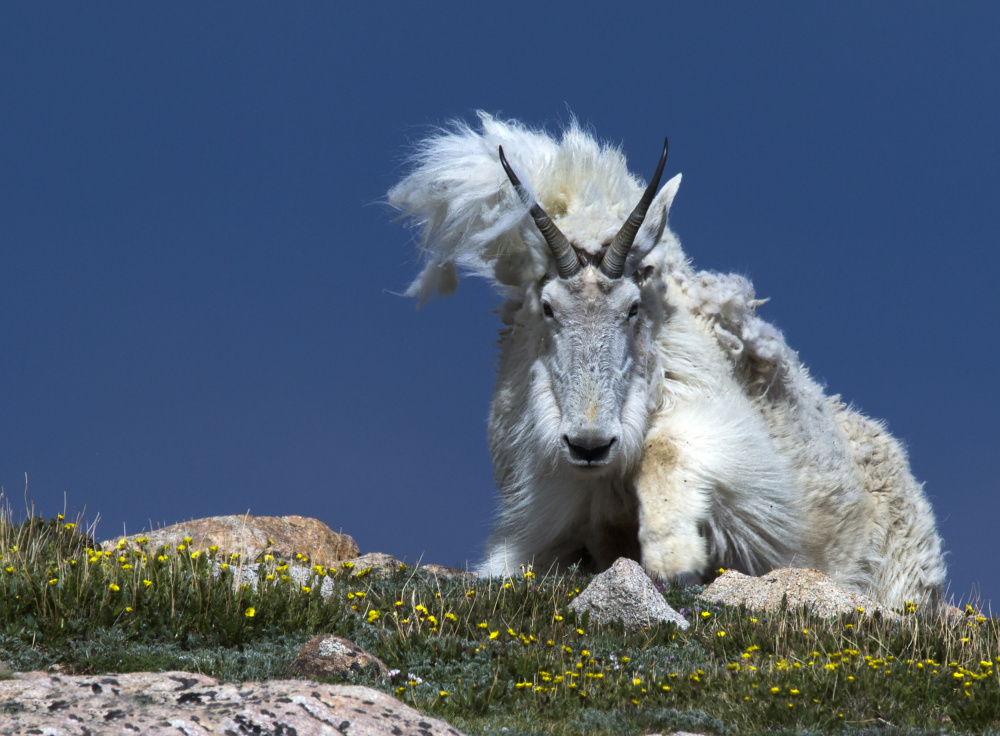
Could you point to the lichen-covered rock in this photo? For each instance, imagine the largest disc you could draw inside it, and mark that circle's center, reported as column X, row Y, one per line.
column 186, row 704
column 333, row 656
column 625, row 593
column 797, row 586
column 248, row 536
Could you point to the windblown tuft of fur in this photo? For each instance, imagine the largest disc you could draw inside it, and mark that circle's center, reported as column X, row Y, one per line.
column 652, row 415
column 468, row 215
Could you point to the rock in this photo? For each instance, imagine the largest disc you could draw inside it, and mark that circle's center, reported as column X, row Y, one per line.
column 247, row 535
column 378, row 564
column 800, row 587
column 375, row 564
column 625, row 593
column 960, row 616
column 381, row 564
column 176, row 703
column 333, row 656
column 442, row 571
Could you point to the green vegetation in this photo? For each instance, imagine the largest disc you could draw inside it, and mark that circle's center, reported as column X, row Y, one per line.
column 491, row 657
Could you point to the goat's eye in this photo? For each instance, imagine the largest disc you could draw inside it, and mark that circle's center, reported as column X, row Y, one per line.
column 633, row 310
column 547, row 309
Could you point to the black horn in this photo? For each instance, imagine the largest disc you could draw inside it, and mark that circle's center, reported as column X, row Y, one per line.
column 613, row 264
column 567, row 262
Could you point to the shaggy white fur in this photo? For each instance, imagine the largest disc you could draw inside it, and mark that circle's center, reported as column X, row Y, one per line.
column 723, row 451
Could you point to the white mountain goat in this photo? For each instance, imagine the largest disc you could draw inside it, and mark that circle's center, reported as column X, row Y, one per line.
column 642, row 409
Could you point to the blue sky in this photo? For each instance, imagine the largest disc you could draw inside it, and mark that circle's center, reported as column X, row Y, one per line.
column 198, row 278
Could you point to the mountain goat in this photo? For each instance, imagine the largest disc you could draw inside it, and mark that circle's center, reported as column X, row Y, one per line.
column 642, row 408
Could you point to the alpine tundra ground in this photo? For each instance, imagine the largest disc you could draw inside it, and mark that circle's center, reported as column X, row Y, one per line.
column 500, row 656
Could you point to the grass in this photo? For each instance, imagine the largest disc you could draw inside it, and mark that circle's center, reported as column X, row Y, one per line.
column 490, row 656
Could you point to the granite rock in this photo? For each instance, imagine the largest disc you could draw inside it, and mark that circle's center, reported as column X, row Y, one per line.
column 378, row 564
column 186, row 704
column 625, row 593
column 248, row 536
column 333, row 656
column 798, row 586
column 443, row 571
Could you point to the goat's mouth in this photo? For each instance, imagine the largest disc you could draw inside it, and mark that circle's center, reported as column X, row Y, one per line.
column 589, row 453
column 588, row 468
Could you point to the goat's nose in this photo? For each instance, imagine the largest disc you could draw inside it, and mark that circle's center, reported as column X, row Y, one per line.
column 589, row 448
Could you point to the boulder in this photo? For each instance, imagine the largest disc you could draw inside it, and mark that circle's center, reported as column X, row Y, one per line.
column 333, row 656
column 175, row 703
column 798, row 586
column 625, row 593
column 248, row 536
column 378, row 564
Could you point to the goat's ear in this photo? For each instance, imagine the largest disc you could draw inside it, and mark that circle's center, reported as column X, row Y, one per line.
column 654, row 224
column 642, row 275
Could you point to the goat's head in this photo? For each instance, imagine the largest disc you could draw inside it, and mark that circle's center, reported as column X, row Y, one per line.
column 597, row 317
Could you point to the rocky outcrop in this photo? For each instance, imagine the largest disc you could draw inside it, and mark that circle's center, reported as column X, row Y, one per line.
column 798, row 587
column 333, row 656
column 185, row 704
column 282, row 536
column 625, row 593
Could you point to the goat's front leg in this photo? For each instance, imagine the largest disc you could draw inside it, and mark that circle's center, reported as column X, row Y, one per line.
column 672, row 505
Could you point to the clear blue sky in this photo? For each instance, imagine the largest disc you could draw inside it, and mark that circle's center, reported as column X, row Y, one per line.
column 198, row 309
